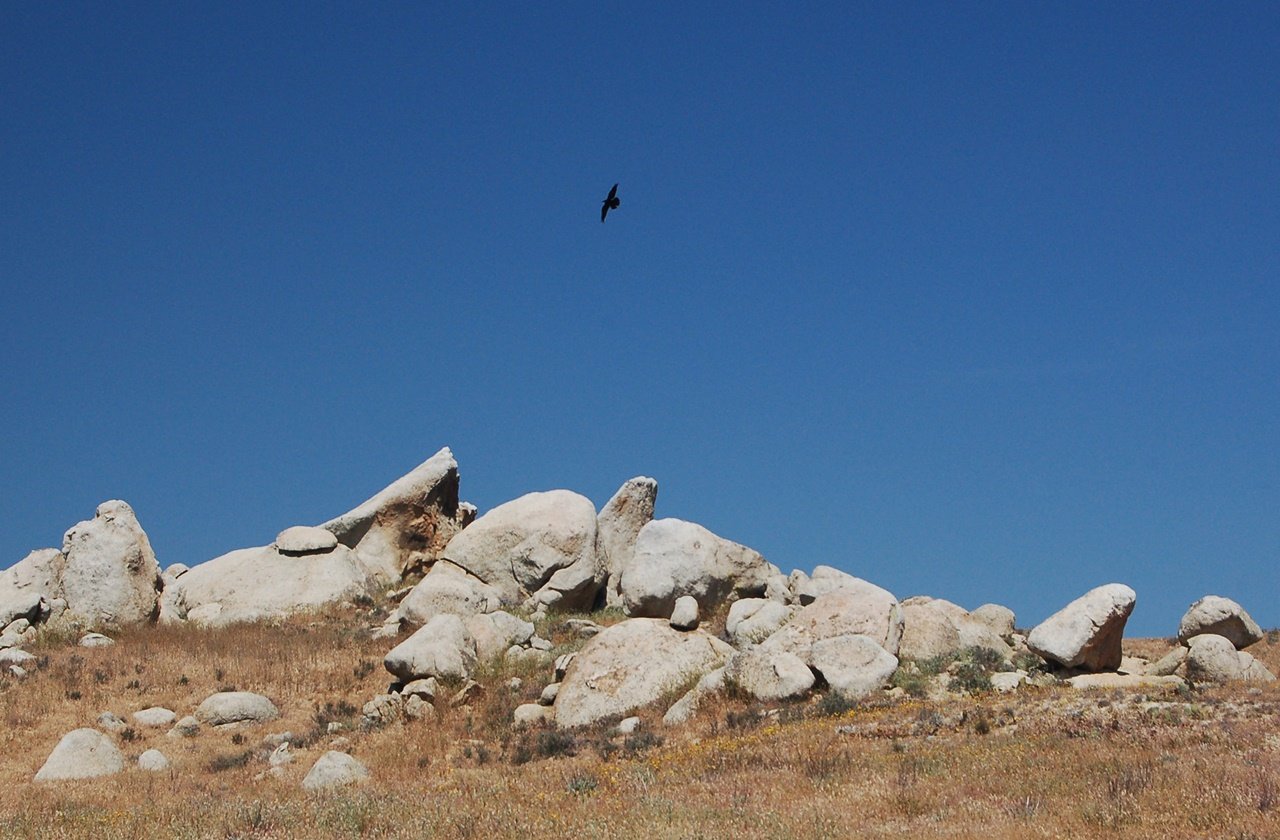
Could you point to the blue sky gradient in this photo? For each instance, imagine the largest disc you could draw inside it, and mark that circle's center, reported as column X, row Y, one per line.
column 970, row 300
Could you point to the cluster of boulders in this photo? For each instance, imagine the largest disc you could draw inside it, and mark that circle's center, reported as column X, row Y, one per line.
column 90, row 752
column 481, row 579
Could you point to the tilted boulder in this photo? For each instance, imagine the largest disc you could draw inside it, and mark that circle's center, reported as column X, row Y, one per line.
column 752, row 620
column 673, row 558
column 110, row 575
column 618, row 525
column 862, row 610
column 853, row 665
column 1222, row 617
column 33, row 579
column 769, row 674
column 260, row 584
column 630, row 665
column 443, row 648
column 404, row 527
column 1086, row 633
column 1213, row 658
column 935, row 627
column 447, row 589
column 541, row 546
column 82, row 754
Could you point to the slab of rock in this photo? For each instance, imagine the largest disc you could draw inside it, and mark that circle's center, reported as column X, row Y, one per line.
column 404, row 527
column 154, row 716
column 305, row 539
column 617, row 527
column 630, row 665
column 541, row 546
column 262, row 584
column 443, row 648
column 110, row 575
column 711, row 683
column 39, row 574
column 1213, row 658
column 94, row 640
column 495, row 632
column 1219, row 616
column 673, row 558
column 1169, row 663
column 752, row 620
column 1127, row 681
column 236, row 707
column 769, row 675
column 684, row 615
column 861, row 610
column 335, row 769
column 81, row 754
column 854, row 665
column 153, row 761
column 1086, row 633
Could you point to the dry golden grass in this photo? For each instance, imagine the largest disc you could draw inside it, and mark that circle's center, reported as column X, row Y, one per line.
column 1042, row 763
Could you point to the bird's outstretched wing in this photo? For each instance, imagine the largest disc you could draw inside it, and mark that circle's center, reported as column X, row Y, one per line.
column 604, row 211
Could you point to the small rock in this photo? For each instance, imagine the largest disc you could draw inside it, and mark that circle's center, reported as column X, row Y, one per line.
column 236, row 707
column 153, row 761
column 154, row 716
column 531, row 714
column 583, row 628
column 110, row 722
column 1007, row 681
column 90, row 640
column 305, row 539
column 334, row 727
column 17, row 672
column 629, row 725
column 466, row 694
column 188, row 727
column 16, row 656
column 417, row 708
column 684, row 616
column 281, row 755
column 548, row 696
column 426, row 689
column 383, row 709
column 562, row 665
column 539, row 643
column 515, row 684
column 335, row 769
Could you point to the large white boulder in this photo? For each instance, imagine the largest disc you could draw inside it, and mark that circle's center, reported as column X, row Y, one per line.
column 33, row 579
column 1222, row 617
column 261, row 584
column 404, row 526
column 853, row 665
column 673, row 558
column 1086, row 633
column 448, row 589
column 997, row 618
column 934, row 627
column 863, row 609
column 226, row 707
column 769, row 675
column 630, row 665
column 1213, row 658
column 335, row 769
column 540, row 546
column 81, row 754
column 617, row 527
column 442, row 648
column 110, row 575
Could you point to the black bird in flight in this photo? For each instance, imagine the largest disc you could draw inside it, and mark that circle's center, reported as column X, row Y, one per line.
column 610, row 203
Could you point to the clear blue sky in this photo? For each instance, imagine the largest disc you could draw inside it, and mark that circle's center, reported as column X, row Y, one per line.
column 971, row 300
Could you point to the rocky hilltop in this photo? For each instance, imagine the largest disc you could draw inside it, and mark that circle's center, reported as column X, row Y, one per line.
column 667, row 613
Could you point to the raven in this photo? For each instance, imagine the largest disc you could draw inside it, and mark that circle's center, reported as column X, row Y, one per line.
column 610, row 203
